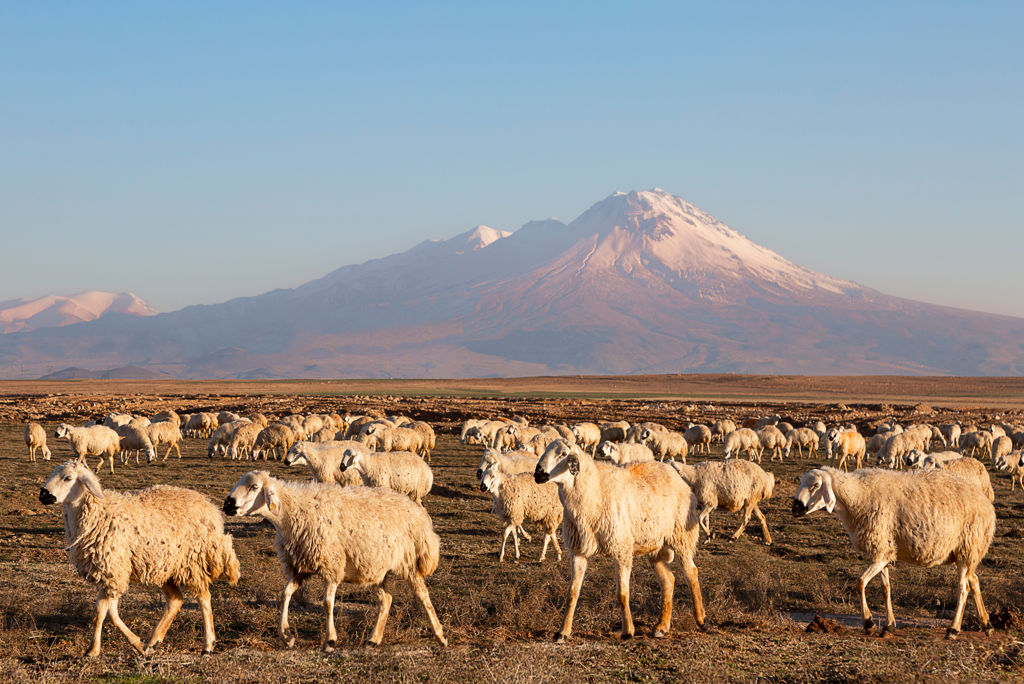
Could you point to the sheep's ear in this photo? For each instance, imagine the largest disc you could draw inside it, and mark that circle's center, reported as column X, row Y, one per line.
column 828, row 497
column 91, row 483
column 273, row 500
column 574, row 464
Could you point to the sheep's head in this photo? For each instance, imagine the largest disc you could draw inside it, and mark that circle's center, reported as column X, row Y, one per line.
column 490, row 480
column 815, row 492
column 69, row 482
column 608, row 449
column 351, row 458
column 915, row 458
column 559, row 463
column 254, row 494
column 296, row 452
column 490, row 457
column 63, row 431
column 645, row 434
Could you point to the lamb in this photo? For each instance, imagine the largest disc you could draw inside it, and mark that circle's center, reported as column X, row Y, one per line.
column 738, row 441
column 95, row 440
column 511, row 463
column 342, row 534
column 517, row 498
column 964, row 466
column 35, row 439
column 401, row 471
column 626, row 452
column 698, row 436
column 1013, row 464
column 925, row 518
column 721, row 428
column 588, row 436
column 324, row 461
column 271, row 438
column 169, row 537
column 668, row 444
column 729, row 485
column 801, row 438
column 1001, row 446
column 843, row 443
column 643, row 509
column 165, row 433
column 771, row 438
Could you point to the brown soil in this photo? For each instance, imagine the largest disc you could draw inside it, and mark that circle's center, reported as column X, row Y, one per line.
column 500, row 618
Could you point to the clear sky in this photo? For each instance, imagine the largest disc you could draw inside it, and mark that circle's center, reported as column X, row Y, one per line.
column 192, row 152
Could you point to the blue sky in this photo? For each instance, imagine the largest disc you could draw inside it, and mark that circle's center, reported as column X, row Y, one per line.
column 194, row 152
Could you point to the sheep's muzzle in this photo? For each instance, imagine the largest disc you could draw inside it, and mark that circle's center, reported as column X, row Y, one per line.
column 540, row 477
column 799, row 508
column 483, row 487
column 342, row 467
column 45, row 497
column 230, row 506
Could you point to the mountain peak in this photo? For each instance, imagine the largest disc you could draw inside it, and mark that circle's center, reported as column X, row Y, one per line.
column 21, row 315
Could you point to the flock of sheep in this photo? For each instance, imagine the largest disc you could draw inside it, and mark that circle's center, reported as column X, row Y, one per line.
column 616, row 489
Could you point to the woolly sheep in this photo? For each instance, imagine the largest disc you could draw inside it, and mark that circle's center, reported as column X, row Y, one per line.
column 324, row 461
column 342, row 534
column 730, row 485
column 1001, row 446
column 976, row 441
column 964, row 466
column 843, row 443
column 504, row 438
column 401, row 471
column 625, row 452
column 201, row 425
column 511, row 463
column 167, row 415
column 721, row 428
column 243, row 441
column 227, row 417
column 614, row 431
column 635, row 432
column 1013, row 464
column 698, row 437
column 271, row 438
column 135, row 439
column 518, row 498
column 784, row 427
column 588, row 436
column 771, row 438
column 324, row 434
column 738, row 441
column 925, row 518
column 428, row 438
column 801, row 438
column 951, row 433
column 169, row 537
column 165, row 433
column 643, row 509
column 35, row 439
column 95, row 440
column 222, row 436
column 667, row 444
column 470, row 424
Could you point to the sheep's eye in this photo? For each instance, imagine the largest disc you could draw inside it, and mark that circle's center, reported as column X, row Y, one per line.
column 253, row 487
column 68, row 478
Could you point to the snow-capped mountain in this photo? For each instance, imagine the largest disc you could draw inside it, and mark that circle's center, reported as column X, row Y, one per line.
column 642, row 282
column 56, row 310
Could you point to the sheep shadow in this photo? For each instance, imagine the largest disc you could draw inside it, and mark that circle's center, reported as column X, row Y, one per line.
column 446, row 492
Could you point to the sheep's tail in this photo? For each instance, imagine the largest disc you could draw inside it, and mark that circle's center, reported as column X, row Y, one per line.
column 223, row 560
column 428, row 550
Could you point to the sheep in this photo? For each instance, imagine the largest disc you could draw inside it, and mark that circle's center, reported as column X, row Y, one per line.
column 997, row 431
column 95, row 440
column 115, row 420
column 784, row 427
column 243, row 441
column 165, row 433
column 271, row 438
column 1018, row 439
column 356, row 425
column 964, row 466
column 738, row 441
column 633, row 434
column 401, row 471
column 974, row 441
column 169, row 537
column 1013, row 464
column 167, row 415
column 721, row 428
column 511, row 463
column 311, row 425
column 504, row 438
column 227, row 417
column 35, row 439
column 516, row 499
column 342, row 534
column 642, row 509
column 698, row 436
column 201, row 425
column 222, row 436
column 801, row 438
column 588, row 436
column 873, row 446
column 951, row 433
column 843, row 443
column 925, row 518
column 470, row 424
column 135, row 439
column 324, row 434
column 614, row 431
column 484, row 432
column 625, row 452
column 772, row 438
column 324, row 461
column 378, row 437
column 665, row 444
column 1001, row 446
column 428, row 438
column 730, row 485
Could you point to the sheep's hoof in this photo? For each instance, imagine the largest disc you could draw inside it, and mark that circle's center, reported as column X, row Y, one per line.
column 372, row 643
column 952, row 634
column 207, row 651
column 768, row 543
column 91, row 654
column 989, row 630
column 289, row 642
column 888, row 631
column 660, row 633
column 869, row 626
column 560, row 638
column 626, row 636
column 706, row 627
column 441, row 640
column 329, row 646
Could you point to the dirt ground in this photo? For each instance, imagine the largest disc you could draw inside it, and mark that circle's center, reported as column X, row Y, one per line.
column 499, row 619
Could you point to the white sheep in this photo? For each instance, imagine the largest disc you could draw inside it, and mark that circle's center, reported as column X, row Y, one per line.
column 1001, row 446
column 342, row 534
column 243, row 441
column 925, row 518
column 401, row 471
column 698, row 437
column 645, row 509
column 614, row 431
column 1014, row 464
column 35, row 439
column 324, row 461
column 222, row 436
column 518, row 498
column 428, row 438
column 588, row 436
column 979, row 440
column 165, row 433
column 801, row 438
column 511, row 463
column 201, row 424
column 135, row 439
column 271, row 438
column 721, row 428
column 95, row 440
column 665, row 444
column 625, row 452
column 743, row 439
column 951, row 433
column 773, row 439
column 730, row 485
column 168, row 537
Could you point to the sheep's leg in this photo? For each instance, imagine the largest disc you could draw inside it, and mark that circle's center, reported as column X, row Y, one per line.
column 986, row 624
column 102, row 607
column 625, row 568
column 119, row 623
column 331, row 638
column 668, row 583
column 420, row 587
column 578, row 568
column 961, row 601
column 508, row 529
column 286, row 598
column 209, row 635
column 544, row 549
column 172, row 604
column 515, row 537
column 523, row 532
column 705, row 522
column 747, row 510
column 862, row 583
column 382, row 615
column 558, row 547
column 890, row 618
column 693, row 579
